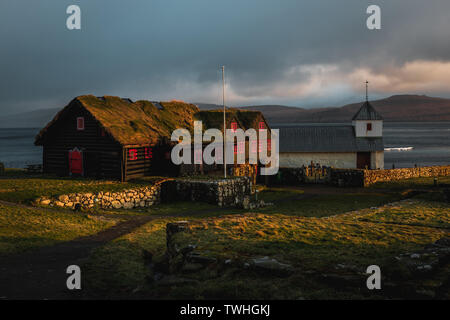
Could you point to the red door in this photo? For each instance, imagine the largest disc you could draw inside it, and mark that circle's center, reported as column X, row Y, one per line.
column 76, row 161
column 363, row 160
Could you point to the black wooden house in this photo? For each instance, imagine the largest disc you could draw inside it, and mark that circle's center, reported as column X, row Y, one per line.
column 113, row 138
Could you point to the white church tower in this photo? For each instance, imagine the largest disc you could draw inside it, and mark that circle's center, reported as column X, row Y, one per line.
column 368, row 126
column 367, row 121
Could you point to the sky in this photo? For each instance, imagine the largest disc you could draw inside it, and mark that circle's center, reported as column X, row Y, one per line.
column 291, row 52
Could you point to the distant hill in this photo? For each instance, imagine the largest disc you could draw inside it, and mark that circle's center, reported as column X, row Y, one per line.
column 31, row 119
column 395, row 108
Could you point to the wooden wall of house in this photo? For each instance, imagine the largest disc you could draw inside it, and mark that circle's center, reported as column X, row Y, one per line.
column 102, row 156
column 149, row 161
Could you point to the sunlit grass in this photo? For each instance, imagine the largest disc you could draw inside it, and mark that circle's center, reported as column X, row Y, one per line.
column 26, row 228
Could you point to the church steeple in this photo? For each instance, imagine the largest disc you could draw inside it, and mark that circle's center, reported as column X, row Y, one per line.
column 367, row 91
column 367, row 121
column 367, row 112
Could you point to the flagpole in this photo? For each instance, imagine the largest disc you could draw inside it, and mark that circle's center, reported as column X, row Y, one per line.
column 224, row 124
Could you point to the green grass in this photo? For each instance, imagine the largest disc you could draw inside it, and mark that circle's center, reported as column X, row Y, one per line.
column 25, row 188
column 310, row 244
column 26, row 228
column 326, row 204
column 414, row 212
column 120, row 266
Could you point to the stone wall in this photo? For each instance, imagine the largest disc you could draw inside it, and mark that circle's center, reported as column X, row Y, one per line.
column 374, row 176
column 365, row 178
column 127, row 199
column 347, row 177
column 351, row 177
column 222, row 192
column 302, row 175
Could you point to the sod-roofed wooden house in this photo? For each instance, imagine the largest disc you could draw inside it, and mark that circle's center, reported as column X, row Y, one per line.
column 114, row 138
column 235, row 119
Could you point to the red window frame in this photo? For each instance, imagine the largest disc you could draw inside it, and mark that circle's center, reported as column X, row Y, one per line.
column 80, row 123
column 241, row 147
column 253, row 147
column 261, row 125
column 234, row 126
column 148, row 153
column 260, row 145
column 132, row 154
column 369, row 127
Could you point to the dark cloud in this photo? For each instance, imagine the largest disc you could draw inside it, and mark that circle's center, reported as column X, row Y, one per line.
column 291, row 51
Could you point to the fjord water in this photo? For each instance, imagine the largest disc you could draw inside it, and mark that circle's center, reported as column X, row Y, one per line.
column 17, row 147
column 430, row 142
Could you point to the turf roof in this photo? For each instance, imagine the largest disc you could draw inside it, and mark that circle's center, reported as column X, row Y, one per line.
column 143, row 123
column 131, row 123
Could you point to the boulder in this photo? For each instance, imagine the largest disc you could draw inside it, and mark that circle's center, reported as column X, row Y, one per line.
column 63, row 198
column 116, row 204
column 59, row 203
column 45, row 202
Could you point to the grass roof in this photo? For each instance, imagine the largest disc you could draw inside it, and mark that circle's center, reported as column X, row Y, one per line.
column 214, row 118
column 143, row 123
column 133, row 123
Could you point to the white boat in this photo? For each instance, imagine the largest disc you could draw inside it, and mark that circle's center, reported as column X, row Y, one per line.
column 399, row 149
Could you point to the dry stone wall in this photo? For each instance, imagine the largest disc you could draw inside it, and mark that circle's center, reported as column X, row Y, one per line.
column 374, row 176
column 365, row 178
column 222, row 192
column 127, row 199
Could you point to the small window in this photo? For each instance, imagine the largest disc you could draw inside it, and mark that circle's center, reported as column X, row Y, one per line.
column 369, row 127
column 253, row 147
column 132, row 154
column 241, row 147
column 80, row 123
column 148, row 153
column 261, row 125
column 235, row 149
column 269, row 144
column 234, row 126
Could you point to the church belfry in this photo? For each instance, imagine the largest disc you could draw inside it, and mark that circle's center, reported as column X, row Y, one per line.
column 367, row 121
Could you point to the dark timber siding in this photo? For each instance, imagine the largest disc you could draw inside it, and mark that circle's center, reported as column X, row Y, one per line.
column 102, row 156
column 159, row 164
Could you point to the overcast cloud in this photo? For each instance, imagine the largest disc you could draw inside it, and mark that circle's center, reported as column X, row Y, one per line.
column 301, row 53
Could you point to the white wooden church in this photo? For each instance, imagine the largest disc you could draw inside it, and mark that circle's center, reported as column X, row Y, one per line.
column 356, row 145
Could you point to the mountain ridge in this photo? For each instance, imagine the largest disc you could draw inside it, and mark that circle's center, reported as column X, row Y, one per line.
column 396, row 108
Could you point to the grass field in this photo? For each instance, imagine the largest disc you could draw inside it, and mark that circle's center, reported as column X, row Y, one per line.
column 311, row 245
column 24, row 228
column 314, row 232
